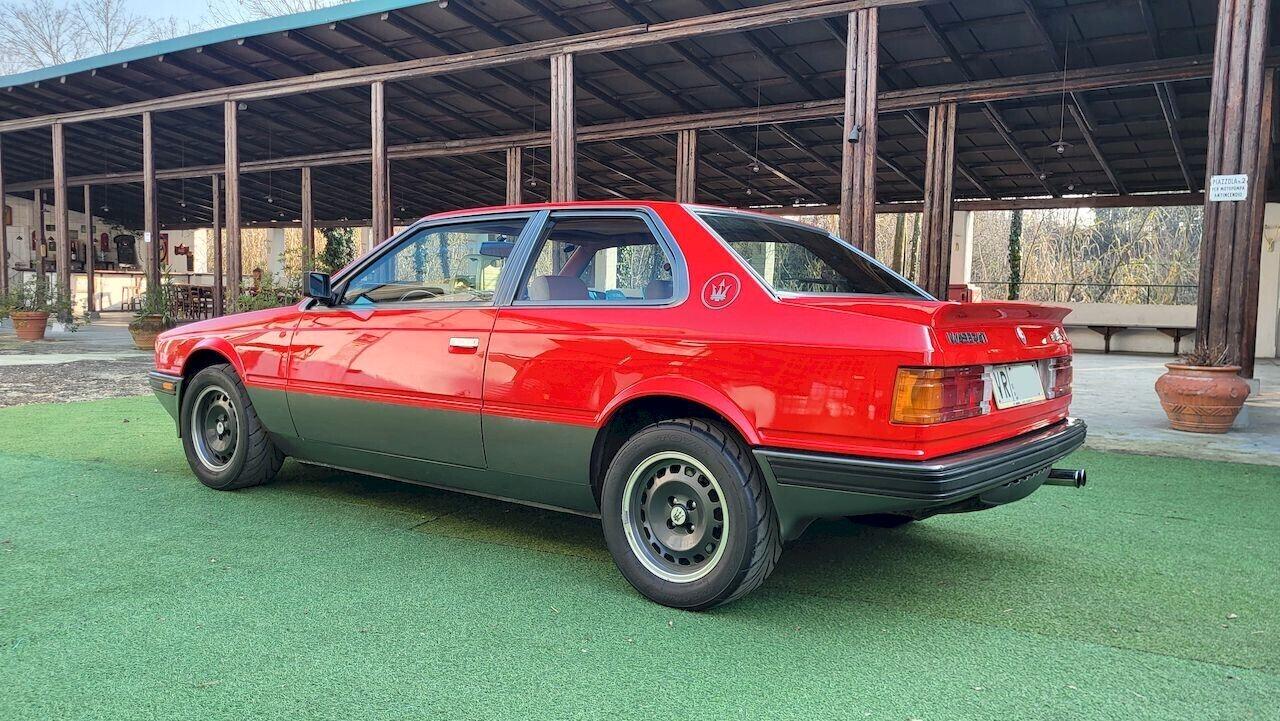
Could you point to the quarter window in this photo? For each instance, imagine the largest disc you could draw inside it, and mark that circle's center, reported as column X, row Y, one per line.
column 441, row 264
column 794, row 259
column 598, row 258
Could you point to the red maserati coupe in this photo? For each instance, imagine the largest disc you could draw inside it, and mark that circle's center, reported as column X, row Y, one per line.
column 706, row 381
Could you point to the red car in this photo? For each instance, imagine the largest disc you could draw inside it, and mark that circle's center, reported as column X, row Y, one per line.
column 706, row 381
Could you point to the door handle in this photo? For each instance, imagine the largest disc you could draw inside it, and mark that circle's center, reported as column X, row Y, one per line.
column 462, row 345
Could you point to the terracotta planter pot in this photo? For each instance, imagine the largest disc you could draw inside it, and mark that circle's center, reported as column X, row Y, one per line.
column 29, row 325
column 145, row 329
column 1201, row 399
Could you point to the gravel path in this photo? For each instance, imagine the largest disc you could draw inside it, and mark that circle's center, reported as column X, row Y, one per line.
column 99, row 361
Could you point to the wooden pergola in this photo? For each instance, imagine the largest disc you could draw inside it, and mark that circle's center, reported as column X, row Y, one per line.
column 380, row 111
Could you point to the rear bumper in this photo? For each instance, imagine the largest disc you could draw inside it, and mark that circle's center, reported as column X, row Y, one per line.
column 814, row 485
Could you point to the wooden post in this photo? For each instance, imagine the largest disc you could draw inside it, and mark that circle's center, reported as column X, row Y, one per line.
column 935, row 252
column 4, row 230
column 61, row 215
column 91, row 305
column 308, row 223
column 515, row 173
column 858, row 156
column 686, row 166
column 1240, row 111
column 378, row 139
column 231, row 168
column 219, row 275
column 564, row 135
column 151, row 221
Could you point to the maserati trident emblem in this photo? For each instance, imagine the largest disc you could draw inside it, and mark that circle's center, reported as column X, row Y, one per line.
column 968, row 337
column 720, row 290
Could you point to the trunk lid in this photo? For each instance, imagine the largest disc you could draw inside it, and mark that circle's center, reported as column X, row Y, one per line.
column 994, row 335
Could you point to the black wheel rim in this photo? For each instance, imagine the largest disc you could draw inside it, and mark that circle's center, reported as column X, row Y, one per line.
column 674, row 516
column 215, row 428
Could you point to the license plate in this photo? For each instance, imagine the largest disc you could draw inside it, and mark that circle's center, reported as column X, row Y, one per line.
column 1017, row 384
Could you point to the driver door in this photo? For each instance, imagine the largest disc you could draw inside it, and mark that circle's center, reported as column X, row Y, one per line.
column 397, row 365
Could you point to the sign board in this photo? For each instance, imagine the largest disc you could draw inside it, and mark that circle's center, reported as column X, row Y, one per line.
column 146, row 237
column 1228, row 187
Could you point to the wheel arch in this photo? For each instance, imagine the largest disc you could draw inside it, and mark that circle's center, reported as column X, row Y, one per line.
column 661, row 399
column 207, row 353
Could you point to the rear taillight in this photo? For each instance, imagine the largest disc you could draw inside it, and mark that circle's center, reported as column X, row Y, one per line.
column 935, row 395
column 1059, row 377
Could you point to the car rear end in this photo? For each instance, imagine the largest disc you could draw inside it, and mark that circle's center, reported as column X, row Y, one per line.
column 959, row 406
column 979, row 419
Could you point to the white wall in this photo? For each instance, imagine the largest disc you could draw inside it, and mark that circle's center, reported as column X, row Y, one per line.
column 1269, row 285
column 1134, row 341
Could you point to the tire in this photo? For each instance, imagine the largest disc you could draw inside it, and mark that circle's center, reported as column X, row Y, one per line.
column 882, row 520
column 727, row 542
column 233, row 451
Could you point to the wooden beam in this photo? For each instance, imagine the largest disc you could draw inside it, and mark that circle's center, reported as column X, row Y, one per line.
column 515, row 176
column 687, row 166
column 1078, row 115
column 150, row 216
column 308, row 224
column 91, row 305
column 61, row 214
column 219, row 274
column 564, row 136
column 892, row 101
column 1170, row 112
column 935, row 234
column 1240, row 113
column 858, row 142
column 231, row 164
column 622, row 38
column 1141, row 200
column 378, row 157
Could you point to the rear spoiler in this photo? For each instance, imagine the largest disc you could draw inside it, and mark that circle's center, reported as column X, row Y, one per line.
column 956, row 314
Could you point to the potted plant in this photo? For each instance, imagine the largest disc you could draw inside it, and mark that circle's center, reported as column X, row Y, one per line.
column 152, row 317
column 30, row 304
column 1202, row 393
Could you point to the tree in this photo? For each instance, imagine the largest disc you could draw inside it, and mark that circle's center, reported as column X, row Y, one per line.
column 40, row 33
column 1015, row 254
column 339, row 246
column 230, row 12
column 899, row 229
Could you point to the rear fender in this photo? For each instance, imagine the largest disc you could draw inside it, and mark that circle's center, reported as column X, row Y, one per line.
column 689, row 390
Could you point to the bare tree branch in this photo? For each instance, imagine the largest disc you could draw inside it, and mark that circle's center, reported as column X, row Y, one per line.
column 40, row 33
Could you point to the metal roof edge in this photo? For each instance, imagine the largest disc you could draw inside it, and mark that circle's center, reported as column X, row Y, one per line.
column 282, row 23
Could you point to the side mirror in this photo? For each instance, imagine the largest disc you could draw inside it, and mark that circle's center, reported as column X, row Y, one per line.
column 317, row 287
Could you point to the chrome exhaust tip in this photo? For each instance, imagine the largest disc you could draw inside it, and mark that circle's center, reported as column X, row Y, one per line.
column 1074, row 477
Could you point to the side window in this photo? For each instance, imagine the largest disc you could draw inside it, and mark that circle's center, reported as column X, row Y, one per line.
column 443, row 264
column 601, row 258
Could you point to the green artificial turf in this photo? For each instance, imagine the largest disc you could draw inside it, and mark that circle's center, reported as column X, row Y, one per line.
column 128, row 590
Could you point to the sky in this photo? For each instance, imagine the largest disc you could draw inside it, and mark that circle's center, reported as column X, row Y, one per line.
column 185, row 10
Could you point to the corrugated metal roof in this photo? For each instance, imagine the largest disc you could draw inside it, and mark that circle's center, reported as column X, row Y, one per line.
column 295, row 21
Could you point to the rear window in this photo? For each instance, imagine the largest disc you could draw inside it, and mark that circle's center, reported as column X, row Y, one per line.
column 794, row 259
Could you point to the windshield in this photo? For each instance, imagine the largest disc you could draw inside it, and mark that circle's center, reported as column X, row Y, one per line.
column 795, row 259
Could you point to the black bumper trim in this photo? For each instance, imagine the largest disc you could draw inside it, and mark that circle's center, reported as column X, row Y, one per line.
column 943, row 479
column 157, row 380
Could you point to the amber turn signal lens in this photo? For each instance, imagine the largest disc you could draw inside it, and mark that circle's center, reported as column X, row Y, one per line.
column 936, row 395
